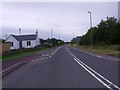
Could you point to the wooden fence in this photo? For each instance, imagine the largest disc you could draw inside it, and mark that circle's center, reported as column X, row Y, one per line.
column 4, row 47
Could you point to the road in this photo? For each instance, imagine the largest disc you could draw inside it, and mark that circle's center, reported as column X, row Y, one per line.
column 66, row 67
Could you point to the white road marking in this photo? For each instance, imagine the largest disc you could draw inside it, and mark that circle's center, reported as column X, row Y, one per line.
column 83, row 64
column 93, row 74
column 31, row 61
column 48, row 56
column 45, row 55
column 36, row 59
column 98, row 74
column 42, row 58
column 10, row 67
column 55, row 51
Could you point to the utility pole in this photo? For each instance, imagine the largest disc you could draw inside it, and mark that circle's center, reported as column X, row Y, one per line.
column 51, row 33
column 73, row 35
column 73, row 38
column 20, row 43
column 91, row 27
column 52, row 36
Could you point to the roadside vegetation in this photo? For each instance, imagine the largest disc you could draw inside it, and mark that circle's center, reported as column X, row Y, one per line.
column 21, row 53
column 54, row 42
column 45, row 45
column 0, row 49
column 105, row 37
column 111, row 50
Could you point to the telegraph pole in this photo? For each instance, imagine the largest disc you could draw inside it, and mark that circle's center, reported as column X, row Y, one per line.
column 51, row 33
column 73, row 35
column 52, row 36
column 20, row 43
column 73, row 38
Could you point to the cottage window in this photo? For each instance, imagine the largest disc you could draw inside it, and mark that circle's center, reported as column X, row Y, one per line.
column 28, row 43
column 11, row 44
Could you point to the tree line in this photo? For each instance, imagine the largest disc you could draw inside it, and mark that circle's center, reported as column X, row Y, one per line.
column 51, row 42
column 106, row 32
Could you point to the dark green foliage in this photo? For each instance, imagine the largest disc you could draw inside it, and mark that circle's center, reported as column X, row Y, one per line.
column 106, row 32
column 54, row 42
column 73, row 41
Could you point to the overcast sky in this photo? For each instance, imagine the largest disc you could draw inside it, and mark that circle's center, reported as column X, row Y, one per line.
column 64, row 18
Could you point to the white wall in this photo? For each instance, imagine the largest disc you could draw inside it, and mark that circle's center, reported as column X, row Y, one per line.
column 24, row 43
column 33, row 44
column 38, row 41
column 15, row 42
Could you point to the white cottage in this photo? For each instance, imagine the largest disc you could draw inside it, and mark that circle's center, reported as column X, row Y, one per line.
column 23, row 41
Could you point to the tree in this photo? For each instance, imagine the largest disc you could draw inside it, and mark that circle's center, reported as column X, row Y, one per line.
column 73, row 41
column 107, row 32
column 54, row 42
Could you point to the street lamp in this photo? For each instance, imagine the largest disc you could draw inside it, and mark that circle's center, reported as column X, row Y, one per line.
column 90, row 26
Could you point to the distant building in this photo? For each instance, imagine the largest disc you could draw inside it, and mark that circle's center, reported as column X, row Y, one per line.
column 23, row 41
column 78, row 39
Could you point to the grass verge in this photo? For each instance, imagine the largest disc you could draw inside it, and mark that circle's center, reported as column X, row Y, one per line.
column 20, row 54
column 111, row 50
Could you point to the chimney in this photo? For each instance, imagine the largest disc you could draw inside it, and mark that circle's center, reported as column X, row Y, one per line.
column 19, row 31
column 36, row 32
column 6, row 36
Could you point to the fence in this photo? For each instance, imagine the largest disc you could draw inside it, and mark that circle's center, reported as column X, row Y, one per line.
column 4, row 47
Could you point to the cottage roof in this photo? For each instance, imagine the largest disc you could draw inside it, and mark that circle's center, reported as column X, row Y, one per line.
column 25, row 37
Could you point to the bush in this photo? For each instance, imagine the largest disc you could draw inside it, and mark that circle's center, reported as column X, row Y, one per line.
column 46, row 45
column 119, row 48
column 100, row 44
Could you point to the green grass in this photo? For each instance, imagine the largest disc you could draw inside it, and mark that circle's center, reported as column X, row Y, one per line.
column 102, row 49
column 0, row 56
column 20, row 54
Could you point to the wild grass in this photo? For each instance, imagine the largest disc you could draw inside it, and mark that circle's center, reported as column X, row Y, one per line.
column 112, row 50
column 21, row 53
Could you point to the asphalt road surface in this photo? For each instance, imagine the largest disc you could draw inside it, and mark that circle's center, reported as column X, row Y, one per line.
column 66, row 67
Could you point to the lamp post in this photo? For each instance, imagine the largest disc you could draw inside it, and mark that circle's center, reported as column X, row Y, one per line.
column 91, row 26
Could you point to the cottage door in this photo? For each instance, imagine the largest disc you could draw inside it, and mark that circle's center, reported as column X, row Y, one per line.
column 20, row 44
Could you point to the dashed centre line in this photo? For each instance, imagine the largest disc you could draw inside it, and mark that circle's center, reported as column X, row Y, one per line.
column 47, row 55
column 31, row 61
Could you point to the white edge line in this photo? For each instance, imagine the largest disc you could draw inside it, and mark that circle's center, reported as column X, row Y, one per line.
column 93, row 70
column 92, row 74
column 99, row 74
column 10, row 67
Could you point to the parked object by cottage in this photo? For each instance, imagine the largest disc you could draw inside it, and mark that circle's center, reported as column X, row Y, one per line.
column 23, row 41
